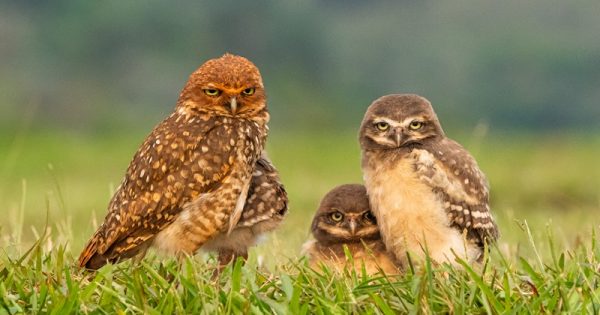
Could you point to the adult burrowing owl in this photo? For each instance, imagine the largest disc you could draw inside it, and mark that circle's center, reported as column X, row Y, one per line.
column 344, row 218
column 426, row 190
column 189, row 180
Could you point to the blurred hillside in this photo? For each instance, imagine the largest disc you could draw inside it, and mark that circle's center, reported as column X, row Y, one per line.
column 100, row 65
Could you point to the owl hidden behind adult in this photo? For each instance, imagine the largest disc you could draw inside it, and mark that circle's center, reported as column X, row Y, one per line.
column 344, row 219
column 188, row 182
column 426, row 190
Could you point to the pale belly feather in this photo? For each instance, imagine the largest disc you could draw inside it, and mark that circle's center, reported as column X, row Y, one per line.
column 411, row 216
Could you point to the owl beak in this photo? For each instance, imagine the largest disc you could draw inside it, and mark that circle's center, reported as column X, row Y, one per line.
column 233, row 105
column 353, row 227
column 398, row 138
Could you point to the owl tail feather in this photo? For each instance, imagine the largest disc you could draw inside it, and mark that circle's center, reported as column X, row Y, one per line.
column 90, row 258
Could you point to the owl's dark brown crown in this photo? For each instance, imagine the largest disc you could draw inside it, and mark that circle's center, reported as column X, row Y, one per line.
column 344, row 216
column 228, row 86
column 399, row 122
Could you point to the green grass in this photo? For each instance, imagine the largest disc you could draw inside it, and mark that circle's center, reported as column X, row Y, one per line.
column 54, row 188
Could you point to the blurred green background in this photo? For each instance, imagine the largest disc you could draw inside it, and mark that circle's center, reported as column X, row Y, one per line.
column 83, row 82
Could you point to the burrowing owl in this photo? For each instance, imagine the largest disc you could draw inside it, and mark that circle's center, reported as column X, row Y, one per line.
column 426, row 190
column 265, row 208
column 344, row 218
column 189, row 180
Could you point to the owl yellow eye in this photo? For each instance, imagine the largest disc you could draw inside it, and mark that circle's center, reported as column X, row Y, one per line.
column 382, row 126
column 369, row 216
column 248, row 91
column 337, row 216
column 212, row 92
column 415, row 125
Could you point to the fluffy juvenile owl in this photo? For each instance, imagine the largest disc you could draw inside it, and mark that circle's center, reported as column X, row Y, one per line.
column 344, row 219
column 266, row 206
column 426, row 190
column 189, row 180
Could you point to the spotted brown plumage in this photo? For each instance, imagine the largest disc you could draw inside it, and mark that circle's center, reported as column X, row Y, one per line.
column 467, row 205
column 267, row 198
column 343, row 222
column 189, row 180
column 426, row 190
column 266, row 206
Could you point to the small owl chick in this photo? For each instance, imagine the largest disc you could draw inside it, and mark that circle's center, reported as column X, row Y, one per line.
column 189, row 180
column 426, row 190
column 265, row 208
column 344, row 218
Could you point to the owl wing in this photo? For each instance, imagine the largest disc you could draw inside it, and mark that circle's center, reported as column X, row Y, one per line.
column 177, row 162
column 455, row 176
column 267, row 198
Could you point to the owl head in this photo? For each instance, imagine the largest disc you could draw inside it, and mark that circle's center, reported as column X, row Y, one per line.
column 344, row 216
column 399, row 121
column 226, row 86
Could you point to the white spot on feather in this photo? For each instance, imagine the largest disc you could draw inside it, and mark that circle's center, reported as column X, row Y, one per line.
column 479, row 214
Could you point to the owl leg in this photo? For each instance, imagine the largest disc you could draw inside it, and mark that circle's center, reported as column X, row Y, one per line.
column 226, row 256
column 140, row 255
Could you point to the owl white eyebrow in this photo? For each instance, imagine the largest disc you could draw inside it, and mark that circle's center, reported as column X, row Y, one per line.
column 394, row 123
column 390, row 122
column 408, row 120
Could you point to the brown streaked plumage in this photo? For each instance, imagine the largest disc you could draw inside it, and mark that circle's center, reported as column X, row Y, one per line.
column 189, row 180
column 265, row 208
column 426, row 190
column 344, row 219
